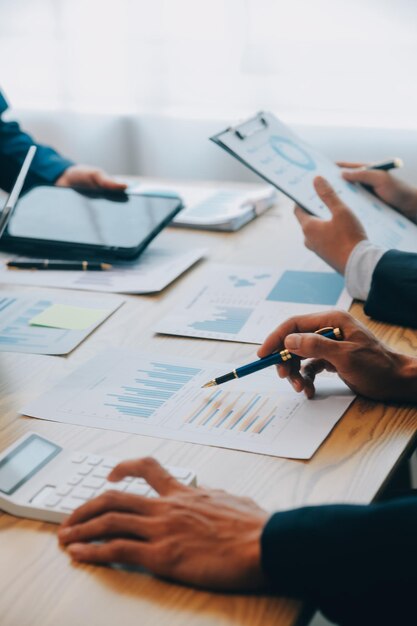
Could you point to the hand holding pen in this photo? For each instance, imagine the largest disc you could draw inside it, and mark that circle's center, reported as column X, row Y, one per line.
column 366, row 365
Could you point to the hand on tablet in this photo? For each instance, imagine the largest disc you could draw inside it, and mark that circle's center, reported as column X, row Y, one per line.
column 333, row 240
column 89, row 177
column 390, row 189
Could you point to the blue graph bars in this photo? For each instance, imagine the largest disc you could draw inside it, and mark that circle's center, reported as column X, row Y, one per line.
column 229, row 320
column 151, row 390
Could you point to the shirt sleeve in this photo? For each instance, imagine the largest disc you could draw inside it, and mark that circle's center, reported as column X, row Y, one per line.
column 360, row 267
column 47, row 165
column 356, row 563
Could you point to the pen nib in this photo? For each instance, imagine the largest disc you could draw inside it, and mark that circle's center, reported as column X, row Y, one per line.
column 211, row 383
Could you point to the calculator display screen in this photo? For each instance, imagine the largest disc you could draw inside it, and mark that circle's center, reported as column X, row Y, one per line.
column 24, row 461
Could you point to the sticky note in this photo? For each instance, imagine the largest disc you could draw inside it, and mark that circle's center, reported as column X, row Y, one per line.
column 68, row 317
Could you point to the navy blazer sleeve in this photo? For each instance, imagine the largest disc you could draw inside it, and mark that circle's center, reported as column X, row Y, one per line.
column 358, row 564
column 393, row 294
column 46, row 167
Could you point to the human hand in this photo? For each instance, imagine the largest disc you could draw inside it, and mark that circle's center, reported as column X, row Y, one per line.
column 390, row 189
column 333, row 240
column 88, row 177
column 202, row 537
column 365, row 364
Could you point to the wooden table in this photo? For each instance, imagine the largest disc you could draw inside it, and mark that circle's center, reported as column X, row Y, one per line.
column 38, row 584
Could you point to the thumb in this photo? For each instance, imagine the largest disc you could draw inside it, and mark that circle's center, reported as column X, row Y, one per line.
column 326, row 193
column 313, row 346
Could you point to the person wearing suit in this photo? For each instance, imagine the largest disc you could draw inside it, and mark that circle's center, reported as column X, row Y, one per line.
column 48, row 167
column 385, row 279
column 355, row 562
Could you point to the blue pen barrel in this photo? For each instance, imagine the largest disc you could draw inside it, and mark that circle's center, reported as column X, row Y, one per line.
column 272, row 359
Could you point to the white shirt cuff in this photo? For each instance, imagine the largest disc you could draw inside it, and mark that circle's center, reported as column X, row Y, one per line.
column 360, row 266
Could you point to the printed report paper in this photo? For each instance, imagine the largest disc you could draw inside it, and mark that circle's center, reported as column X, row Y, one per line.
column 161, row 396
column 245, row 303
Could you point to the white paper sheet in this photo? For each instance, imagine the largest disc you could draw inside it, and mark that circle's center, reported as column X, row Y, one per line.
column 156, row 268
column 16, row 312
column 240, row 303
column 161, row 396
column 283, row 159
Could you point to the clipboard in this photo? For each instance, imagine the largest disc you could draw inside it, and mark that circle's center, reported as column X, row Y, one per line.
column 274, row 152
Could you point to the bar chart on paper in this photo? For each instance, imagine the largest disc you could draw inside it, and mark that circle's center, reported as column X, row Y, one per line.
column 162, row 397
column 18, row 335
column 240, row 303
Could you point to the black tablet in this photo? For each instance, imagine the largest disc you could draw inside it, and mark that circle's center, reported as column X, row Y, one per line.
column 66, row 223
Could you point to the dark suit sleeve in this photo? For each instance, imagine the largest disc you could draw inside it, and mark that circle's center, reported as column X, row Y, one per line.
column 46, row 167
column 358, row 564
column 393, row 294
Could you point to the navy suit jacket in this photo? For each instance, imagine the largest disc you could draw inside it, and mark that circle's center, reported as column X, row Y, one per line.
column 46, row 167
column 393, row 294
column 358, row 564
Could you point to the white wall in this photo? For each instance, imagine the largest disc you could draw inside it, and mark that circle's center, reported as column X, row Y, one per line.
column 179, row 148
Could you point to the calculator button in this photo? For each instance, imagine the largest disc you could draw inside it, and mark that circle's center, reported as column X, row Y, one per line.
column 63, row 490
column 117, row 486
column 93, row 483
column 70, row 504
column 178, row 472
column 78, row 457
column 138, row 490
column 75, row 480
column 83, row 493
column 101, row 472
column 84, row 470
column 93, row 459
column 110, row 463
column 52, row 501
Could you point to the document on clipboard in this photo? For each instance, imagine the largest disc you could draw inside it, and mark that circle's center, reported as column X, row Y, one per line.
column 269, row 148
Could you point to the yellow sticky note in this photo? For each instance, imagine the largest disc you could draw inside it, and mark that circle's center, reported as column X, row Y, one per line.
column 68, row 317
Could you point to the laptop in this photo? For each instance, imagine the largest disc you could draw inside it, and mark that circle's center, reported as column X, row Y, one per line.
column 13, row 197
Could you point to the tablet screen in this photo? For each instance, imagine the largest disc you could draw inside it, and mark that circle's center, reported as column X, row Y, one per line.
column 59, row 214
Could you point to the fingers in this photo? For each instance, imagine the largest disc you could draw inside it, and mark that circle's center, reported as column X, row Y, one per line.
column 104, row 181
column 110, row 524
column 116, row 551
column 111, row 501
column 304, row 218
column 350, row 165
column 310, row 345
column 365, row 176
column 149, row 469
column 302, row 324
column 330, row 198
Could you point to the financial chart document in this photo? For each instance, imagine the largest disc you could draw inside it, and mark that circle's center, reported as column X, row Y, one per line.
column 17, row 334
column 244, row 303
column 161, row 396
column 282, row 158
column 156, row 268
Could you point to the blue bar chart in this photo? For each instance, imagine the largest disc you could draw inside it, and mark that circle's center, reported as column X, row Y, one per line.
column 227, row 319
column 150, row 389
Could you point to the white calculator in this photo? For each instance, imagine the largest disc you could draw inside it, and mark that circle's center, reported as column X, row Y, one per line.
column 41, row 480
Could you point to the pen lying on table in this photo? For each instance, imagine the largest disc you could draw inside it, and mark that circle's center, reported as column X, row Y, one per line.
column 84, row 266
column 272, row 359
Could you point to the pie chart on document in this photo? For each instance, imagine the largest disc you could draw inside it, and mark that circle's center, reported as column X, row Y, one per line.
column 292, row 152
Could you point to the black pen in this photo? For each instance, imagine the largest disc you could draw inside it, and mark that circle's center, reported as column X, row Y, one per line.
column 385, row 166
column 46, row 264
column 272, row 359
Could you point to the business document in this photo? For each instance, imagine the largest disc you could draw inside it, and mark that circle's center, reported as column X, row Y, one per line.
column 161, row 396
column 245, row 303
column 279, row 156
column 154, row 270
column 19, row 331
